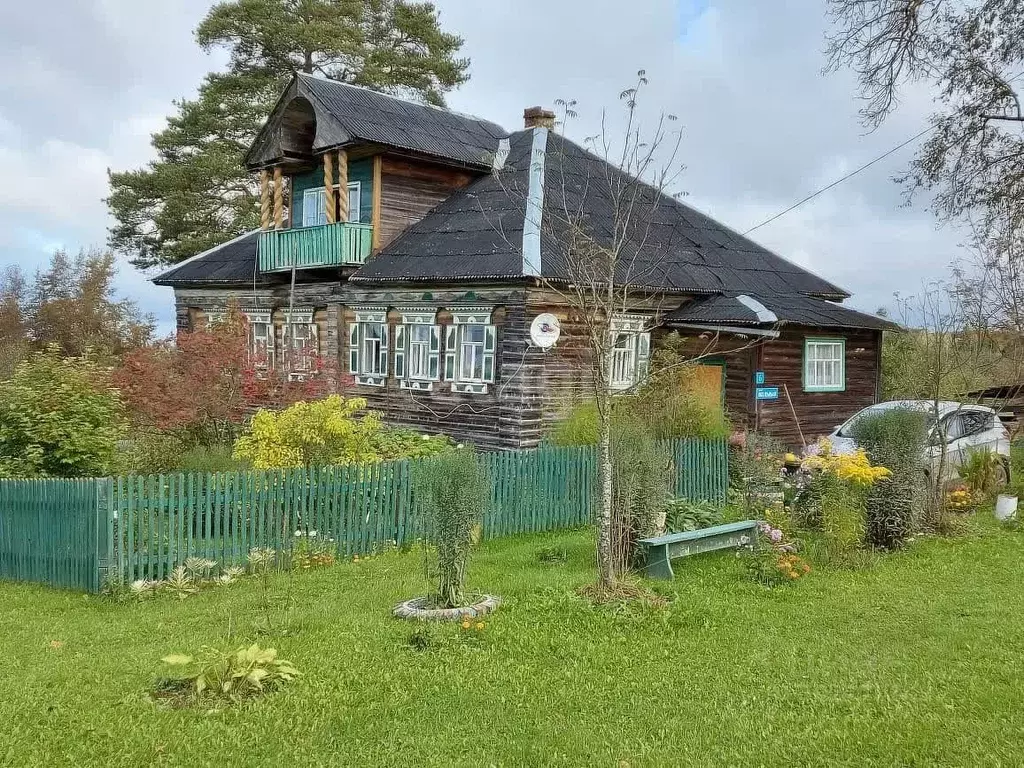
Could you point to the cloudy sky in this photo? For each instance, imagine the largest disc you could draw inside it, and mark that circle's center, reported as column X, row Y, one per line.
column 85, row 82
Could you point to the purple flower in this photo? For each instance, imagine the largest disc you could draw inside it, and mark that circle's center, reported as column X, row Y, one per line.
column 775, row 535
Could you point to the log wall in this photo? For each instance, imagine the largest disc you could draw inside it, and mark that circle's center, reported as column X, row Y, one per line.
column 533, row 388
column 409, row 189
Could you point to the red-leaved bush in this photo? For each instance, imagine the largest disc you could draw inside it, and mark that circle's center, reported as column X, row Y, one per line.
column 207, row 382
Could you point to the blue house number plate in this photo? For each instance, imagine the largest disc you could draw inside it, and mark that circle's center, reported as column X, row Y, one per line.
column 766, row 393
column 759, row 378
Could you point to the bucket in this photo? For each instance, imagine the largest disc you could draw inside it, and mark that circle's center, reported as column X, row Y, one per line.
column 1006, row 506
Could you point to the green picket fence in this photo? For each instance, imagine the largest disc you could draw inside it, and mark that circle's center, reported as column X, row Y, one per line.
column 79, row 533
column 53, row 532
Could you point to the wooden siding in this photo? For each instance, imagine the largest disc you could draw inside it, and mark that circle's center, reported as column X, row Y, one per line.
column 738, row 356
column 532, row 389
column 490, row 421
column 410, row 189
column 782, row 361
column 818, row 412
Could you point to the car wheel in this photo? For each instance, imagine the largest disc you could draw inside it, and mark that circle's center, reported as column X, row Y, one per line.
column 1001, row 477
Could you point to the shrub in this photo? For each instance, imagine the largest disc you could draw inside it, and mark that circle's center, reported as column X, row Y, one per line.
column 204, row 384
column 668, row 405
column 58, row 418
column 840, row 490
column 982, row 471
column 770, row 559
column 641, row 480
column 210, row 458
column 685, row 515
column 895, row 439
column 578, row 426
column 843, row 521
column 149, row 451
column 756, row 472
column 231, row 677
column 452, row 491
column 332, row 431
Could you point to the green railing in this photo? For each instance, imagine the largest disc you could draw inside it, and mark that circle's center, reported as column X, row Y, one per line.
column 79, row 533
column 327, row 245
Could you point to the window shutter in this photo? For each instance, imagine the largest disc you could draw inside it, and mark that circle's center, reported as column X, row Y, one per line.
column 490, row 343
column 353, row 347
column 314, row 339
column 643, row 357
column 434, row 357
column 451, row 343
column 399, row 351
column 384, row 349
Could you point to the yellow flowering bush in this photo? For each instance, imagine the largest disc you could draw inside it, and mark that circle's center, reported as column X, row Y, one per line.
column 962, row 499
column 332, row 431
column 851, row 467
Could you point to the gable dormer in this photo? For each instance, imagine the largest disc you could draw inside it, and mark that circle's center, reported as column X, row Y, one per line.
column 343, row 170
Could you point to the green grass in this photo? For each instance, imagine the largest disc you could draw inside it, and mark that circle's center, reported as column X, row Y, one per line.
column 916, row 660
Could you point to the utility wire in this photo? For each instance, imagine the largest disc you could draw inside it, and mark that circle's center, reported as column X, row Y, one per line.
column 837, row 182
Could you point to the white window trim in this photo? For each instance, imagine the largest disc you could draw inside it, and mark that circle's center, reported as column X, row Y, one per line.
column 300, row 318
column 412, row 318
column 260, row 317
column 368, row 316
column 318, row 197
column 808, row 371
column 455, row 346
column 638, row 349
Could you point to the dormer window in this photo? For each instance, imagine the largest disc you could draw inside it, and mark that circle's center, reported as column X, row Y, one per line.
column 314, row 204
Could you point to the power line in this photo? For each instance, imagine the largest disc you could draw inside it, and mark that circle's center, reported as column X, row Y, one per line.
column 837, row 182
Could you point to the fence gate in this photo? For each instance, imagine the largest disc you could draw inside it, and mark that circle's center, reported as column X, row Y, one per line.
column 53, row 531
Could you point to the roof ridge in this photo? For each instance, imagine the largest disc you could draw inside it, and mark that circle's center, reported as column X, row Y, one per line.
column 413, row 102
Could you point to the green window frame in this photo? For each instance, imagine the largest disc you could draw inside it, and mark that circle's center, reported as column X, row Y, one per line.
column 816, row 364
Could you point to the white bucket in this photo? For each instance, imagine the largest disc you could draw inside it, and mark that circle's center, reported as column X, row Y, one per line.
column 1006, row 506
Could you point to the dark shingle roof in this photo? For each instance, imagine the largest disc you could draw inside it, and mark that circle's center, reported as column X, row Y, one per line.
column 233, row 262
column 347, row 114
column 477, row 233
column 788, row 308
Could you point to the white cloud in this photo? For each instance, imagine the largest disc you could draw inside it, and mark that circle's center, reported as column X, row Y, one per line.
column 84, row 85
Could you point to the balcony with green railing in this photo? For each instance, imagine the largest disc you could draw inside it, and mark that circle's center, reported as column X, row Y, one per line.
column 328, row 245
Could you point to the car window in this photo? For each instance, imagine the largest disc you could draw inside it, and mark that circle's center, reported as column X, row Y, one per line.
column 953, row 427
column 975, row 422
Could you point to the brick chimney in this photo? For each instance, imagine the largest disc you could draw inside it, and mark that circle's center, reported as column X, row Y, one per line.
column 538, row 117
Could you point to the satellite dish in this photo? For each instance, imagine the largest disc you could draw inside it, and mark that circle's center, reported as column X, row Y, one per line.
column 545, row 330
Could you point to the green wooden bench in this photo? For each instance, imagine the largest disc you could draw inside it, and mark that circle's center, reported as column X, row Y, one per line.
column 661, row 550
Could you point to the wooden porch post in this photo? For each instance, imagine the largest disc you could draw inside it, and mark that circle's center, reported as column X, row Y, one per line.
column 264, row 199
column 278, row 198
column 342, row 185
column 375, row 212
column 329, row 202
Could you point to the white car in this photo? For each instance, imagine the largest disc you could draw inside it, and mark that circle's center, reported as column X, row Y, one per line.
column 966, row 428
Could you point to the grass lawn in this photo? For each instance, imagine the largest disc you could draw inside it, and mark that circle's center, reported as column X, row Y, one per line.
column 916, row 660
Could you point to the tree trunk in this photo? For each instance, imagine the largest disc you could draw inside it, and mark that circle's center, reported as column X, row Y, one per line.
column 605, row 556
column 606, row 567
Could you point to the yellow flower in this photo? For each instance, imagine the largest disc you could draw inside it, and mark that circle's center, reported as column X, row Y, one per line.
column 479, row 626
column 466, row 624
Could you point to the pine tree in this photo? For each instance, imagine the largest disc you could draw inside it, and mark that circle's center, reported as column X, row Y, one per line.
column 197, row 193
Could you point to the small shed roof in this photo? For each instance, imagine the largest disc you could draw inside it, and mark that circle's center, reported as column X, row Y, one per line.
column 788, row 309
column 231, row 263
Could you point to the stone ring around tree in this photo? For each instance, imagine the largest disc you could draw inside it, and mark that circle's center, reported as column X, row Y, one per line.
column 419, row 609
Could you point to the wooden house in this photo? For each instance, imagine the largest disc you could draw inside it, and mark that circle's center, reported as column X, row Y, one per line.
column 397, row 240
